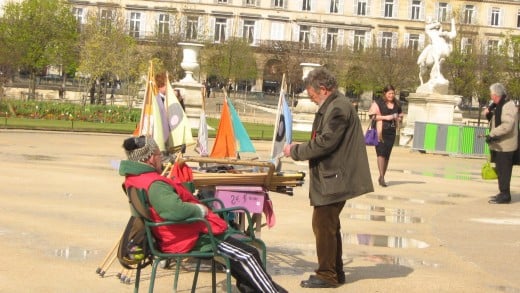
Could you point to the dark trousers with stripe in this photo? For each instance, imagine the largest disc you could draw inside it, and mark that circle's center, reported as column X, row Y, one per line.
column 246, row 265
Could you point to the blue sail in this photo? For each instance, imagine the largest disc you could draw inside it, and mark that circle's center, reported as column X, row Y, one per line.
column 244, row 143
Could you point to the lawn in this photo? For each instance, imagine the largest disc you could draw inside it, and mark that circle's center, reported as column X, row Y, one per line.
column 255, row 131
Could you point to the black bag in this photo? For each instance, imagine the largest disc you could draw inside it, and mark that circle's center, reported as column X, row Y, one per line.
column 133, row 251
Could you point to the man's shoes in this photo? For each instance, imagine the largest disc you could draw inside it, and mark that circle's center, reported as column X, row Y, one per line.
column 500, row 199
column 315, row 282
column 341, row 279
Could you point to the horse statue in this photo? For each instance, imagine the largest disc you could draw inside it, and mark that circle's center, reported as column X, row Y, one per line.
column 436, row 52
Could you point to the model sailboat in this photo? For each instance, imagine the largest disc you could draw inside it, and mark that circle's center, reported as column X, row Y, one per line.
column 167, row 123
column 232, row 137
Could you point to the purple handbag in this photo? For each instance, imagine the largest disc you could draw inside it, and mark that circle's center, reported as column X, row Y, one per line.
column 371, row 137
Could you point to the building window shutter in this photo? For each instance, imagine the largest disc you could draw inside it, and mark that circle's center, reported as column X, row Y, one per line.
column 421, row 41
column 296, row 33
column 240, row 28
column 395, row 39
column 341, row 38
column 257, row 33
column 350, row 39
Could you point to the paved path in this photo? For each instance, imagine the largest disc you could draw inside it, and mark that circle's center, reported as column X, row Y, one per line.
column 431, row 230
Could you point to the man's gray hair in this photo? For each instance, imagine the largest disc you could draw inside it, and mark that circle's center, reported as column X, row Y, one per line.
column 498, row 89
column 320, row 77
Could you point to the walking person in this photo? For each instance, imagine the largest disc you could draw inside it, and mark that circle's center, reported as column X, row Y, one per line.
column 388, row 113
column 171, row 201
column 339, row 170
column 502, row 139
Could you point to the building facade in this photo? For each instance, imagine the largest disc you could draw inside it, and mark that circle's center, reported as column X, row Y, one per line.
column 325, row 24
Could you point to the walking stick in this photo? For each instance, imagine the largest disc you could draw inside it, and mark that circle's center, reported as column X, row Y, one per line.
column 101, row 269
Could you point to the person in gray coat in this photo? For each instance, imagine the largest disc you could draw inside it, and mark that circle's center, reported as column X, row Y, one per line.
column 502, row 115
column 339, row 170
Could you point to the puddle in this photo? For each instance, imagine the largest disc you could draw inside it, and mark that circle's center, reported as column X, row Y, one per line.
column 444, row 173
column 397, row 260
column 74, row 253
column 400, row 218
column 506, row 289
column 383, row 241
column 457, row 195
column 38, row 157
column 412, row 200
column 504, row 221
column 372, row 208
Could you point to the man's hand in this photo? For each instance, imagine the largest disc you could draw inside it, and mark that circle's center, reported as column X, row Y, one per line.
column 490, row 139
column 287, row 150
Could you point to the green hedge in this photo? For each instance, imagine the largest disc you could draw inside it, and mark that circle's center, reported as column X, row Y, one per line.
column 69, row 111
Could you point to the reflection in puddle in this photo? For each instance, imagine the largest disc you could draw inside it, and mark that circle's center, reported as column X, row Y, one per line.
column 74, row 253
column 38, row 157
column 444, row 173
column 383, row 241
column 413, row 200
column 372, row 208
column 496, row 221
column 400, row 218
column 397, row 260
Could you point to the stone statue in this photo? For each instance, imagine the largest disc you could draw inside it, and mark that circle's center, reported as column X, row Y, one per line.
column 434, row 54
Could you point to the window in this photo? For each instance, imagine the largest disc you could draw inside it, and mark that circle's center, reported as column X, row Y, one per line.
column 332, row 39
column 164, row 24
column 222, row 1
column 359, row 41
column 386, row 43
column 469, row 14
column 442, row 14
column 278, row 3
column 334, row 6
column 250, row 2
column 389, row 8
column 249, row 31
column 192, row 24
column 220, row 30
column 495, row 16
column 361, row 8
column 135, row 24
column 306, row 5
column 416, row 10
column 305, row 32
column 467, row 46
column 492, row 46
column 106, row 15
column 78, row 14
column 413, row 42
column 518, row 19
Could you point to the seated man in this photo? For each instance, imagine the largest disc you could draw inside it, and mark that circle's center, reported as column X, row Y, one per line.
column 170, row 201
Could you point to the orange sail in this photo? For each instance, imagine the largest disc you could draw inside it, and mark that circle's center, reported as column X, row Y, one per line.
column 225, row 145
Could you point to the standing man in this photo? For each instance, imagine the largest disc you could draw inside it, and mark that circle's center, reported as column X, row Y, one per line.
column 339, row 170
column 502, row 115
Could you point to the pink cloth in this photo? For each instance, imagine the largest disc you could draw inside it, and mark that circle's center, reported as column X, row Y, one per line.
column 269, row 211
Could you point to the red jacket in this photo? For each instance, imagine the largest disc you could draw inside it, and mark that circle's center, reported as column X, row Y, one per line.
column 176, row 238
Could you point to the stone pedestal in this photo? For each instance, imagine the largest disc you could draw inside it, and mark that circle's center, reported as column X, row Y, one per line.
column 190, row 87
column 303, row 113
column 429, row 107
